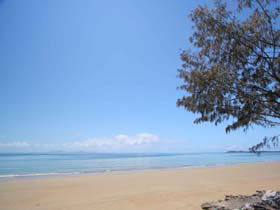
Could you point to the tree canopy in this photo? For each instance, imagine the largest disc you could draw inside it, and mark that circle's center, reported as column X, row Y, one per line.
column 233, row 71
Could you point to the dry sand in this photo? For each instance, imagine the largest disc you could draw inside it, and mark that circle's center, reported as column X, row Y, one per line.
column 146, row 190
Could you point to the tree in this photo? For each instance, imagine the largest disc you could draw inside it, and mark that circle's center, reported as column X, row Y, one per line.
column 233, row 72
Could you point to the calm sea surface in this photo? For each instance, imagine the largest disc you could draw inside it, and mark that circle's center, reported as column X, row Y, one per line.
column 13, row 165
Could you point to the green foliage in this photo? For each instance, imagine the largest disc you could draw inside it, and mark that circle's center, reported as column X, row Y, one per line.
column 234, row 71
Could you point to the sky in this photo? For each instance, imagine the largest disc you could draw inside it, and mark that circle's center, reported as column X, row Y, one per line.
column 100, row 76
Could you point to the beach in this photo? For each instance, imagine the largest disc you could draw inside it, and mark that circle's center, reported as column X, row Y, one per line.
column 167, row 189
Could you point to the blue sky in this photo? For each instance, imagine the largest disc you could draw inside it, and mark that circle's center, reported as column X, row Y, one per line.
column 100, row 76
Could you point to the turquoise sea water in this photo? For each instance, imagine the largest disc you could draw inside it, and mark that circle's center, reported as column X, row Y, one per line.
column 14, row 165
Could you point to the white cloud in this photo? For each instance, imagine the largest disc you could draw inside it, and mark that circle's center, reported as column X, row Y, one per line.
column 94, row 143
column 18, row 144
column 235, row 147
column 118, row 140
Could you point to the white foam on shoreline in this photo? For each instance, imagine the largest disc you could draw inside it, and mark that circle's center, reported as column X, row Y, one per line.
column 38, row 174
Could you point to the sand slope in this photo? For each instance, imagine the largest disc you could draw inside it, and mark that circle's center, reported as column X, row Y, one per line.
column 146, row 190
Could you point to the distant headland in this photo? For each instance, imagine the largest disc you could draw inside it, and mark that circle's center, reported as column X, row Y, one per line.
column 243, row 151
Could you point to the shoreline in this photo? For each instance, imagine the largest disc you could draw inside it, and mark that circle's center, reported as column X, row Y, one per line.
column 146, row 189
column 120, row 171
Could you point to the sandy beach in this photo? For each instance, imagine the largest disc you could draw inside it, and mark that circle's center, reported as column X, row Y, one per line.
column 146, row 190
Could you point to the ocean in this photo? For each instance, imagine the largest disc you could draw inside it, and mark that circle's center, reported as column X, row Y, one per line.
column 25, row 165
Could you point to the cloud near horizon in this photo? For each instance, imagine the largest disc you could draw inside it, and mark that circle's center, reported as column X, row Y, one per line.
column 141, row 142
column 17, row 144
column 118, row 140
